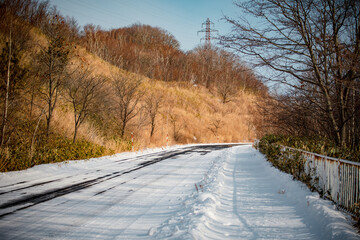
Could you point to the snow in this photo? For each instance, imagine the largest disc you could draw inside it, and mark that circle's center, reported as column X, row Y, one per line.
column 182, row 192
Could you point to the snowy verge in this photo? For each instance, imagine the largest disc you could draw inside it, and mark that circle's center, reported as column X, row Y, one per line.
column 47, row 170
column 196, row 205
column 277, row 207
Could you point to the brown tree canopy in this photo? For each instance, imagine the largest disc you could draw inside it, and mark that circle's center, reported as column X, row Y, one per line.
column 155, row 53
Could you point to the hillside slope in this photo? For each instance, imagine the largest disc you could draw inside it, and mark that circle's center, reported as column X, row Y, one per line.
column 187, row 113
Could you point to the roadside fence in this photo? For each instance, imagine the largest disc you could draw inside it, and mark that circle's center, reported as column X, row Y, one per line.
column 336, row 179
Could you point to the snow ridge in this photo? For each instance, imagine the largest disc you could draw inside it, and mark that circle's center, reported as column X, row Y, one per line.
column 195, row 206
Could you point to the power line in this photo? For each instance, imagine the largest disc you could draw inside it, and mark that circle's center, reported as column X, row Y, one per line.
column 170, row 13
column 101, row 10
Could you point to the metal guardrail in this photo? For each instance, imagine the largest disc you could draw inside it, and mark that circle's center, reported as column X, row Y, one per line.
column 337, row 179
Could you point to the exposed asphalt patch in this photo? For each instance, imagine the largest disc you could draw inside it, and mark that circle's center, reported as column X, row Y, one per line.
column 33, row 185
column 18, row 183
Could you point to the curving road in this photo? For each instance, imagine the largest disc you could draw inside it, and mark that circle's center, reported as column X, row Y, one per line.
column 189, row 192
column 108, row 199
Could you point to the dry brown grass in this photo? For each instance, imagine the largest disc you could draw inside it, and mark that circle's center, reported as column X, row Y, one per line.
column 194, row 112
column 187, row 114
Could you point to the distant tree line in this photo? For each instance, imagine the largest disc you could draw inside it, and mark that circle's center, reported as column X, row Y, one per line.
column 155, row 53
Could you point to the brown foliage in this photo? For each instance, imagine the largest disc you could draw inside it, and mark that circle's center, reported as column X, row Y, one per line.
column 155, row 53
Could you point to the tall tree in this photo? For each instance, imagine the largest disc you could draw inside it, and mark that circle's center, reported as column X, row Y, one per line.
column 52, row 62
column 83, row 90
column 152, row 105
column 314, row 45
column 127, row 97
column 16, row 33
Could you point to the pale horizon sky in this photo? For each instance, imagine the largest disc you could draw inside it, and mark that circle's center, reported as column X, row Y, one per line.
column 182, row 18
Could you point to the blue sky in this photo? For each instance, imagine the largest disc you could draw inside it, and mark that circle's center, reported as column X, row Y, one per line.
column 182, row 18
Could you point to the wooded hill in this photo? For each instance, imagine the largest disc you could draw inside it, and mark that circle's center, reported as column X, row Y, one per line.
column 155, row 53
column 71, row 94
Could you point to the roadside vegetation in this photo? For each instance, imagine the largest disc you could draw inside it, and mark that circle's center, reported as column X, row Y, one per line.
column 310, row 53
column 316, row 145
column 287, row 161
column 292, row 160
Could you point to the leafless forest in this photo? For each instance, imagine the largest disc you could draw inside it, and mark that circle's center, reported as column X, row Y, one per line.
column 313, row 47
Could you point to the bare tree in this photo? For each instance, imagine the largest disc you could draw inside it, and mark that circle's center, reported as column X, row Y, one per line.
column 127, row 96
column 52, row 62
column 226, row 87
column 152, row 105
column 177, row 125
column 314, row 45
column 215, row 125
column 83, row 91
column 16, row 32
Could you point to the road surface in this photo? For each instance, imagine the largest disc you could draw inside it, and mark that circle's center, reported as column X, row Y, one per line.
column 189, row 192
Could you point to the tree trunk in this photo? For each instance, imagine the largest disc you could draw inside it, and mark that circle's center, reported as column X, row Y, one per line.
column 76, row 124
column 123, row 130
column 79, row 117
column 48, row 118
column 48, row 121
column 353, row 134
column 75, row 133
column 34, row 135
column 152, row 127
column 6, row 103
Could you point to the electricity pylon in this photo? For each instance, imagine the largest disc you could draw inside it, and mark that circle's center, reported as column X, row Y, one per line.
column 208, row 32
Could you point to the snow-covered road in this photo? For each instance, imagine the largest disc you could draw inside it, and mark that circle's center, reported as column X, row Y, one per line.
column 154, row 195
